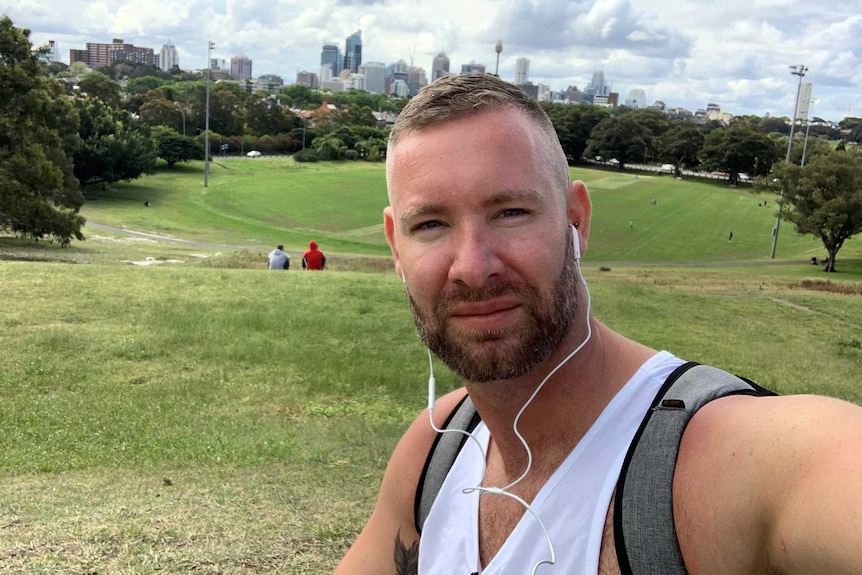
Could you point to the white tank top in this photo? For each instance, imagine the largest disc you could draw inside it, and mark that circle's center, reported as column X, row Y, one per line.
column 573, row 503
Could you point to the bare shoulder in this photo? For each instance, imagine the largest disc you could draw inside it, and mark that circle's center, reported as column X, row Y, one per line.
column 748, row 472
column 389, row 542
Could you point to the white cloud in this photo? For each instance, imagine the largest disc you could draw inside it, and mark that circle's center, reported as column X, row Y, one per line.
column 687, row 53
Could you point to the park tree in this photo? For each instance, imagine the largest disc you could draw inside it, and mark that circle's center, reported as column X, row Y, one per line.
column 265, row 116
column 824, row 198
column 329, row 147
column 226, row 109
column 574, row 124
column 39, row 195
column 737, row 149
column 772, row 124
column 143, row 84
column 158, row 111
column 622, row 138
column 173, row 147
column 114, row 145
column 99, row 85
column 680, row 145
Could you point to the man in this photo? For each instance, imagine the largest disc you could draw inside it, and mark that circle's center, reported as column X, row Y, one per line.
column 313, row 258
column 278, row 259
column 486, row 231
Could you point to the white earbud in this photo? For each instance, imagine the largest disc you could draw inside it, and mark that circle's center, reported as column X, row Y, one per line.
column 576, row 243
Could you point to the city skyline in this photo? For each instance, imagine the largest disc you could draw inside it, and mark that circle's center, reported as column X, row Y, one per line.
column 736, row 54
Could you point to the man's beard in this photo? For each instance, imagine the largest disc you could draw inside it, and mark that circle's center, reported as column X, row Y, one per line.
column 482, row 356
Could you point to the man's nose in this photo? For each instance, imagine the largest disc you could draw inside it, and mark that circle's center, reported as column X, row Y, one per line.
column 475, row 257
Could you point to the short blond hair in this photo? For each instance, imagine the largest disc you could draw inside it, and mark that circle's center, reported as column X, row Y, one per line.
column 458, row 96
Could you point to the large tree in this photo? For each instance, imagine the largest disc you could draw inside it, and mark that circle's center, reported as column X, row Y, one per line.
column 39, row 195
column 114, row 145
column 737, row 149
column 574, row 123
column 680, row 145
column 825, row 198
column 99, row 85
column 173, row 147
column 622, row 138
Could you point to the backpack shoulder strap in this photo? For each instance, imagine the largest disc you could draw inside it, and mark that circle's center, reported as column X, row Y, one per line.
column 644, row 532
column 443, row 452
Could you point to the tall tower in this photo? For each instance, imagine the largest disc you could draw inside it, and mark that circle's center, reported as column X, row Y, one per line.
column 440, row 66
column 168, row 58
column 240, row 67
column 353, row 51
column 522, row 71
column 330, row 57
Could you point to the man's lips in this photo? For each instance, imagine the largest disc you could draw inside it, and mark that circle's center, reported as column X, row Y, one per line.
column 485, row 315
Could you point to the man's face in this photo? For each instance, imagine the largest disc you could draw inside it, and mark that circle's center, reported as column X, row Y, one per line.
column 479, row 230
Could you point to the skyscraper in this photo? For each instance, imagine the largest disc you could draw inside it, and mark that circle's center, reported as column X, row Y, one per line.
column 375, row 77
column 168, row 58
column 597, row 86
column 330, row 56
column 353, row 51
column 522, row 71
column 636, row 99
column 240, row 67
column 440, row 66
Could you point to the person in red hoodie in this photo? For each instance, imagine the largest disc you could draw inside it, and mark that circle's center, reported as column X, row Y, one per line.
column 313, row 258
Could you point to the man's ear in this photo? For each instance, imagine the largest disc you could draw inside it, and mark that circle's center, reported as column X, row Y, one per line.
column 389, row 230
column 579, row 211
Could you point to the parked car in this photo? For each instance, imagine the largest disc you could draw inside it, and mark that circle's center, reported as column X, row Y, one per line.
column 743, row 177
column 614, row 161
column 668, row 168
column 254, row 154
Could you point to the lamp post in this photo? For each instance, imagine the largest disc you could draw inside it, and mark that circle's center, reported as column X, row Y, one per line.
column 304, row 120
column 811, row 102
column 498, row 48
column 210, row 46
column 796, row 70
column 180, row 110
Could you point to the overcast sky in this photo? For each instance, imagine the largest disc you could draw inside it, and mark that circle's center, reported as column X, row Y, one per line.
column 686, row 53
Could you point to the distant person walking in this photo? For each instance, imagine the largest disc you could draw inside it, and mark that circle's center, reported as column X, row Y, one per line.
column 313, row 258
column 730, row 237
column 631, row 224
column 278, row 259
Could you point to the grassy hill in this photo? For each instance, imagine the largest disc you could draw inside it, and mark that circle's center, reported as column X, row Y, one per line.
column 257, row 203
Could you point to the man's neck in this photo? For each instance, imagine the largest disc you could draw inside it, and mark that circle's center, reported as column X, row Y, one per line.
column 567, row 405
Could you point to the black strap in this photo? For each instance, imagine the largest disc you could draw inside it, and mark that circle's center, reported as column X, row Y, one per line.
column 441, row 457
column 644, row 531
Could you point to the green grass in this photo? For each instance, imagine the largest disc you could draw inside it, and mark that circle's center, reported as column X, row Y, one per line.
column 257, row 203
column 204, row 415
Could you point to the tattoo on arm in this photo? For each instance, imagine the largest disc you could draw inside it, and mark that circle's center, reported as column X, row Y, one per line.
column 406, row 559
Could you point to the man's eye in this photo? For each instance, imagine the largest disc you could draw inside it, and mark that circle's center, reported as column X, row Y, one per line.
column 430, row 225
column 512, row 212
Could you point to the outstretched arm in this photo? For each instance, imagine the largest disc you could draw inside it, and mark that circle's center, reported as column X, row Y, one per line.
column 389, row 543
column 771, row 485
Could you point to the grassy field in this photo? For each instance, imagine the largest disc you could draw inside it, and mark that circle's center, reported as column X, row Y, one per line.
column 257, row 203
column 205, row 417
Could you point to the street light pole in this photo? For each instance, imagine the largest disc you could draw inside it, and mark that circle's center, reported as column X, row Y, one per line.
column 811, row 102
column 210, row 46
column 796, row 70
column 180, row 110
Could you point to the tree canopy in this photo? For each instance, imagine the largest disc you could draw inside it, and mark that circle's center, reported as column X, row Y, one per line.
column 825, row 198
column 39, row 195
